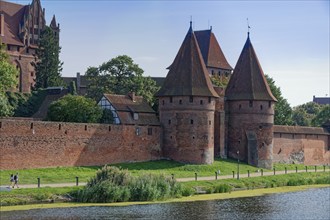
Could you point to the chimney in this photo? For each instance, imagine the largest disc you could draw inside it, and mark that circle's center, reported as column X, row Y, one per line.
column 2, row 25
column 132, row 96
column 78, row 82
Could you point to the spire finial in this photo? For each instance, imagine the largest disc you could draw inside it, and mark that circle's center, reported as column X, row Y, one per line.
column 190, row 21
column 248, row 25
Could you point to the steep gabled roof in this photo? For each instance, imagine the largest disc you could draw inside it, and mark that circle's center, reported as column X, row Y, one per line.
column 13, row 15
column 248, row 81
column 53, row 23
column 188, row 75
column 211, row 50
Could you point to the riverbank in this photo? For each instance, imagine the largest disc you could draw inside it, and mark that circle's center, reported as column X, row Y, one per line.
column 217, row 196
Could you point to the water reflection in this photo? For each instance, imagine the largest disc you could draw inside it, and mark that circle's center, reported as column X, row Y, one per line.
column 310, row 204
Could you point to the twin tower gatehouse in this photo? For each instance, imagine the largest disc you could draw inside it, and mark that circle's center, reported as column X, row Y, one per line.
column 195, row 125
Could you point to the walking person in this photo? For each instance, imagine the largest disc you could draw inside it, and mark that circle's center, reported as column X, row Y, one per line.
column 11, row 180
column 16, row 180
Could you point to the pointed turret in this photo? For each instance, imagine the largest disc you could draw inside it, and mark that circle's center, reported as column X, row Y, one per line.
column 250, row 111
column 248, row 81
column 187, row 106
column 53, row 23
column 188, row 75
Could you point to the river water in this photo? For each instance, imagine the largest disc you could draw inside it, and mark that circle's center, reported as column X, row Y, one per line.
column 309, row 204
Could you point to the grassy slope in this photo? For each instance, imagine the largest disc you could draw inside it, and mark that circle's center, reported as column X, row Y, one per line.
column 68, row 174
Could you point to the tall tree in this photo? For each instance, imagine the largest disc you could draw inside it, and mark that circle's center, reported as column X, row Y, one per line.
column 283, row 111
column 8, row 80
column 8, row 72
column 49, row 66
column 120, row 75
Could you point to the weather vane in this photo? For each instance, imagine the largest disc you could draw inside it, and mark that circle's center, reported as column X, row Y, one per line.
column 248, row 25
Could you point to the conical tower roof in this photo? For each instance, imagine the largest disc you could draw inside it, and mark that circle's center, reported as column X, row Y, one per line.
column 248, row 81
column 188, row 75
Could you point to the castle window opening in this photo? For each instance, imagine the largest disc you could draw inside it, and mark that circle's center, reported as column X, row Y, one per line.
column 210, row 122
column 269, row 104
column 27, row 50
column 219, row 73
column 239, row 107
column 210, row 99
column 226, row 74
column 136, row 116
column 32, row 73
column 137, row 131
column 191, row 121
column 17, row 48
column 191, row 99
column 31, row 125
column 171, row 99
column 180, row 101
column 0, row 124
column 171, row 137
column 261, row 107
column 250, row 104
column 163, row 102
column 193, row 137
column 8, row 47
column 85, row 127
column 169, row 122
column 149, row 131
column 19, row 57
column 59, row 127
column 212, row 72
column 109, row 128
column 201, row 102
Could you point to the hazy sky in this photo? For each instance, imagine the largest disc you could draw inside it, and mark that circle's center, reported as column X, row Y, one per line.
column 291, row 38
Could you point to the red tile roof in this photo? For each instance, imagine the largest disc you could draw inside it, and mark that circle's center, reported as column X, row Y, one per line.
column 188, row 75
column 13, row 14
column 248, row 81
column 211, row 50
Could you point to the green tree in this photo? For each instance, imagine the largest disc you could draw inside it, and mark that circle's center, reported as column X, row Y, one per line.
column 8, row 80
column 303, row 114
column 74, row 109
column 322, row 117
column 283, row 111
column 48, row 67
column 220, row 81
column 120, row 75
column 8, row 72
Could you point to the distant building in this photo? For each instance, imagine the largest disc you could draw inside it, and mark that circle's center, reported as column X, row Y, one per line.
column 321, row 100
column 129, row 109
column 20, row 29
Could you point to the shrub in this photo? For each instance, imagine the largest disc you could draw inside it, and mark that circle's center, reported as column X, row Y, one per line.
column 114, row 185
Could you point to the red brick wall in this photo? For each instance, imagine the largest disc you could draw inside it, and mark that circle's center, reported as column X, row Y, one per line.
column 309, row 149
column 31, row 144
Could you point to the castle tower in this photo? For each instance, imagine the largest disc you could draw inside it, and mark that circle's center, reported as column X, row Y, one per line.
column 56, row 29
column 186, row 107
column 250, row 111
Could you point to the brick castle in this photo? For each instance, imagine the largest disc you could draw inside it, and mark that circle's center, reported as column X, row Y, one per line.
column 197, row 122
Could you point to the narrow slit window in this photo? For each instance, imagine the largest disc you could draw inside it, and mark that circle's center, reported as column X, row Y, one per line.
column 191, row 99
column 191, row 121
column 171, row 99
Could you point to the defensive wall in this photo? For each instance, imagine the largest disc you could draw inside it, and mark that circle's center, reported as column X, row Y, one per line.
column 306, row 145
column 32, row 144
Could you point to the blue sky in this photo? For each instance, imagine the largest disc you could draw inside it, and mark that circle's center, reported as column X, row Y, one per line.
column 291, row 38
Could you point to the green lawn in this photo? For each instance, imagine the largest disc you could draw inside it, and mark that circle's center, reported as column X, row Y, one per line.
column 68, row 174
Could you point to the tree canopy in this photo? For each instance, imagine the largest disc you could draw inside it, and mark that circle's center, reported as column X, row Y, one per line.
column 8, row 80
column 74, row 109
column 48, row 67
column 120, row 75
column 304, row 114
column 283, row 111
